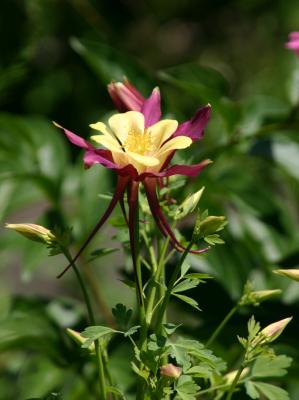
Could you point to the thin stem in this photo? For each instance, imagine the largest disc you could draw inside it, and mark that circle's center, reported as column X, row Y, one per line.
column 235, row 382
column 156, row 278
column 170, row 286
column 222, row 325
column 100, row 365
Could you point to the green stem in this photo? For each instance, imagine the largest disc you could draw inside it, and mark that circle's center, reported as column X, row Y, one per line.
column 235, row 382
column 222, row 325
column 100, row 365
column 156, row 278
column 170, row 286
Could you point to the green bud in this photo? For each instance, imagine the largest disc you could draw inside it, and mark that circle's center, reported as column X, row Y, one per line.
column 34, row 232
column 188, row 205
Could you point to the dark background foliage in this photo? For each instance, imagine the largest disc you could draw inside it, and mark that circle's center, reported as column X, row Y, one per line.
column 56, row 60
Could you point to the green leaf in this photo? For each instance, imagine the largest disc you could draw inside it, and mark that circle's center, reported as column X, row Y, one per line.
column 193, row 303
column 200, row 371
column 270, row 392
column 183, row 349
column 132, row 330
column 186, row 388
column 108, row 63
column 186, row 284
column 101, row 253
column 170, row 328
column 200, row 277
column 117, row 391
column 270, row 366
column 205, row 84
column 122, row 315
column 93, row 333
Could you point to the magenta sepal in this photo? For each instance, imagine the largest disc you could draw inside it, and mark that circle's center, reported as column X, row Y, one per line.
column 119, row 191
column 151, row 108
column 194, row 128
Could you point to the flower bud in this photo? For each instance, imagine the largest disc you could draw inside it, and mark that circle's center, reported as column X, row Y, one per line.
column 125, row 96
column 34, row 232
column 188, row 205
column 272, row 331
column 171, row 371
column 289, row 273
column 263, row 295
column 229, row 378
column 78, row 338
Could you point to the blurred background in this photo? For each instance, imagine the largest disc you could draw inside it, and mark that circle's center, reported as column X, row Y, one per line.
column 56, row 60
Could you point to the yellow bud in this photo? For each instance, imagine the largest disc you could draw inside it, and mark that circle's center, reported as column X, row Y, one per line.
column 289, row 273
column 229, row 378
column 33, row 232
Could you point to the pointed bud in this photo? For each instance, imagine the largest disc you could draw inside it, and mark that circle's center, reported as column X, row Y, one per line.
column 34, row 232
column 263, row 295
column 171, row 371
column 229, row 378
column 272, row 331
column 125, row 96
column 188, row 205
column 78, row 338
column 289, row 273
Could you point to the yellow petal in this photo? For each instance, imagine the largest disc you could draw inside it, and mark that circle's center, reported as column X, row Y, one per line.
column 179, row 142
column 122, row 124
column 144, row 160
column 99, row 126
column 108, row 142
column 162, row 131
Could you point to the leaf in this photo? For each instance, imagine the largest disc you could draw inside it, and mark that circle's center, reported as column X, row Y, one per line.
column 132, row 330
column 183, row 349
column 200, row 277
column 251, row 390
column 108, row 63
column 122, row 315
column 186, row 284
column 205, row 84
column 193, row 303
column 101, row 253
column 270, row 366
column 270, row 392
column 117, row 391
column 186, row 388
column 170, row 328
column 185, row 268
column 93, row 333
column 200, row 371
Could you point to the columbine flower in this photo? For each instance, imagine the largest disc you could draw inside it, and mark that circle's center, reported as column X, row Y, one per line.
column 293, row 43
column 139, row 148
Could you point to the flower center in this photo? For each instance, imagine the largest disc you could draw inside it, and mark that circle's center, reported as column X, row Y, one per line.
column 138, row 142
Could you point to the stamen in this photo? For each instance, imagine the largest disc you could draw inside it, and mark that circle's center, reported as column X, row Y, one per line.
column 139, row 142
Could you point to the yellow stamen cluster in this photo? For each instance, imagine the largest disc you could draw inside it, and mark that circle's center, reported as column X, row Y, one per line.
column 138, row 142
